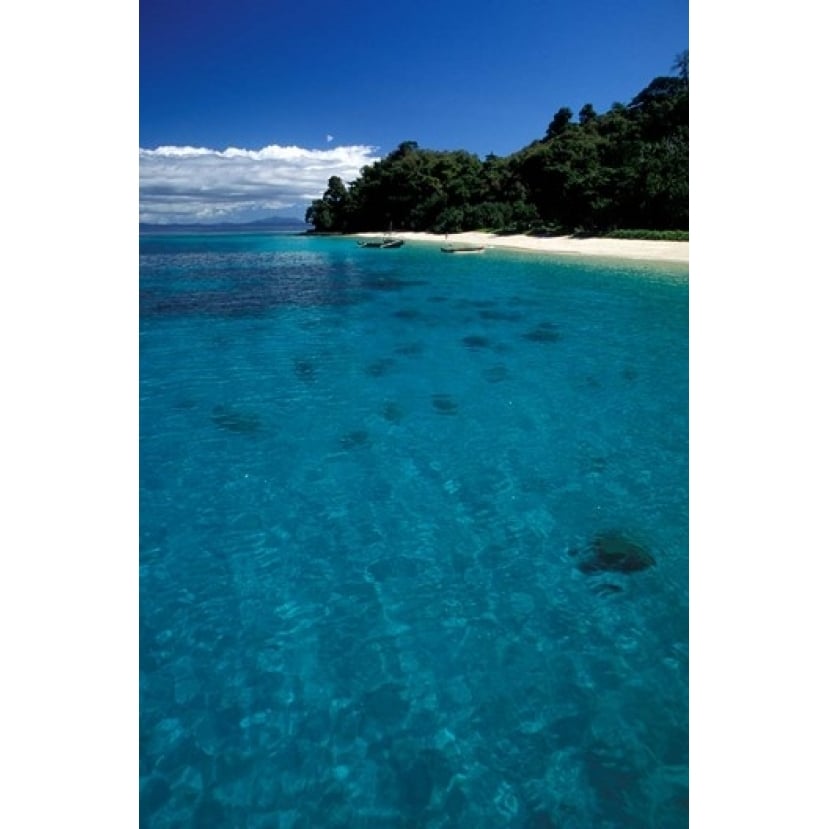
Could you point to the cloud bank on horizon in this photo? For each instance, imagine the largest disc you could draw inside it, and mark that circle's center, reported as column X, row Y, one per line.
column 197, row 184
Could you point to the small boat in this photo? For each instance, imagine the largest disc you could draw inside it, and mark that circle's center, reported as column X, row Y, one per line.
column 385, row 242
column 452, row 248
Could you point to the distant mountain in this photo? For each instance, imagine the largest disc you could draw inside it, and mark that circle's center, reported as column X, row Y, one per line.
column 271, row 223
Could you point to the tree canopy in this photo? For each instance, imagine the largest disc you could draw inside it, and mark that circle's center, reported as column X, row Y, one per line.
column 625, row 168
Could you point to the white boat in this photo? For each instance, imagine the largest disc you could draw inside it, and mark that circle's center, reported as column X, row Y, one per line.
column 388, row 240
column 385, row 242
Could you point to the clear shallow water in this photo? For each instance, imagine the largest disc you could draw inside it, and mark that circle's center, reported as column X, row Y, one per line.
column 364, row 474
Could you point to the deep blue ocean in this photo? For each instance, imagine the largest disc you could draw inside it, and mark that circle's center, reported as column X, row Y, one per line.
column 414, row 537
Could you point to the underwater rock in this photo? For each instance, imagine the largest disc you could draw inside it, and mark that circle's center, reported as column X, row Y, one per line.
column 380, row 367
column 392, row 412
column 590, row 381
column 544, row 332
column 444, row 403
column 606, row 589
column 501, row 316
column 391, row 283
column 496, row 374
column 237, row 421
column 612, row 552
column 596, row 463
column 476, row 341
column 359, row 437
column 305, row 370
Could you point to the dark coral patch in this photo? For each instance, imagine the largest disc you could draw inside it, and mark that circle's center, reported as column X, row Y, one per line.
column 544, row 332
column 392, row 412
column 596, row 464
column 354, row 439
column 606, row 589
column 444, row 403
column 476, row 341
column 496, row 374
column 391, row 283
column 501, row 316
column 234, row 420
column 380, row 367
column 410, row 349
column 305, row 369
column 613, row 552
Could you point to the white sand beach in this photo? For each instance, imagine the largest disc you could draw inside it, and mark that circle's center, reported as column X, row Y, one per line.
column 640, row 249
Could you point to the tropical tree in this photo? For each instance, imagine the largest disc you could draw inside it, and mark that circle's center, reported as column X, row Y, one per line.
column 587, row 115
column 625, row 168
column 680, row 65
column 559, row 123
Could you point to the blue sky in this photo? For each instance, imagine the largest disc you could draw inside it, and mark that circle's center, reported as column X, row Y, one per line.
column 346, row 82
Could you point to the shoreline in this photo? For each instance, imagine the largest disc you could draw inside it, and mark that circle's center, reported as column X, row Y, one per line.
column 639, row 249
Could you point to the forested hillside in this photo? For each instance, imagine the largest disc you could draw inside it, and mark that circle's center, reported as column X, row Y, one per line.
column 625, row 168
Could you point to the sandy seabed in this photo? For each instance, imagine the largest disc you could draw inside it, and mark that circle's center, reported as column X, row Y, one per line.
column 642, row 249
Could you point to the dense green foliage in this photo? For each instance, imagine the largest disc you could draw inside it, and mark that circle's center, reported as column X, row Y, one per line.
column 626, row 168
column 658, row 235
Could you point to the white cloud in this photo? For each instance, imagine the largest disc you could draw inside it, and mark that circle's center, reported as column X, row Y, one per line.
column 197, row 184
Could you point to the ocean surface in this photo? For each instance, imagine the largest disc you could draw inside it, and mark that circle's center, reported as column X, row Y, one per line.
column 414, row 537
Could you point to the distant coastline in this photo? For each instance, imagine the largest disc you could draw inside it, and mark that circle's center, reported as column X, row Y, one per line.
column 274, row 223
column 639, row 249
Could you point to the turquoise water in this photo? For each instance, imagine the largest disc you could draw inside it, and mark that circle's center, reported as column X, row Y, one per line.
column 380, row 493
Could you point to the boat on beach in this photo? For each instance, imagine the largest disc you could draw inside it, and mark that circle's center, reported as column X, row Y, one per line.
column 452, row 248
column 385, row 242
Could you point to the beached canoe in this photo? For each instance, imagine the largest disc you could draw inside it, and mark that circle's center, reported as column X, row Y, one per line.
column 382, row 243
